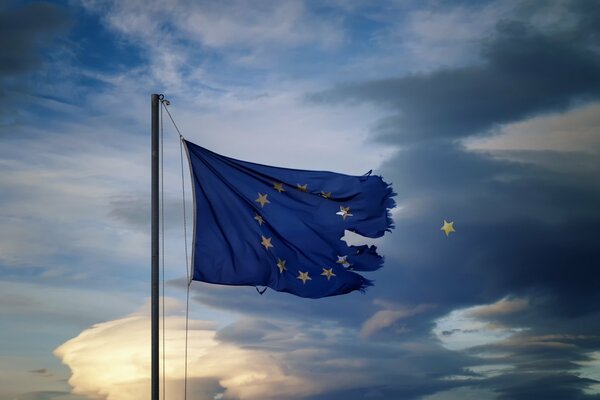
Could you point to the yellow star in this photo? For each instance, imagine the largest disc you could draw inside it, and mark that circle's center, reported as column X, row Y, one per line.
column 326, row 195
column 304, row 277
column 259, row 219
column 344, row 212
column 448, row 227
column 328, row 273
column 262, row 199
column 344, row 261
column 278, row 186
column 266, row 242
column 302, row 188
column 281, row 265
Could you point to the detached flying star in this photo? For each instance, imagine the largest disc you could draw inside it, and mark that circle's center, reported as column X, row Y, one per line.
column 448, row 227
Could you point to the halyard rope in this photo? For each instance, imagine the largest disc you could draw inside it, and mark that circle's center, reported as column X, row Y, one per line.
column 165, row 103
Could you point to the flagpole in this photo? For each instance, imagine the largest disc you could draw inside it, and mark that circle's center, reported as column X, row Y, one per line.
column 155, row 98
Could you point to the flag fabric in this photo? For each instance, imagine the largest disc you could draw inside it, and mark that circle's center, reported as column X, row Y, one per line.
column 261, row 225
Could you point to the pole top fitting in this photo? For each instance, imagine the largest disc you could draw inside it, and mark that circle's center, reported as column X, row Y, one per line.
column 161, row 98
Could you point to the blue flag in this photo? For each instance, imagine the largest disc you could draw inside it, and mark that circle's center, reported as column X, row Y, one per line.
column 260, row 225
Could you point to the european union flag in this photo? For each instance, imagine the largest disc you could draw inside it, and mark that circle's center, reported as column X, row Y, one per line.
column 260, row 225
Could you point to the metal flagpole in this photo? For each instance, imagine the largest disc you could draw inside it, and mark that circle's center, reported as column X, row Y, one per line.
column 155, row 98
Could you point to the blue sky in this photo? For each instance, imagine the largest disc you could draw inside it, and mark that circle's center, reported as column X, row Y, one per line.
column 482, row 113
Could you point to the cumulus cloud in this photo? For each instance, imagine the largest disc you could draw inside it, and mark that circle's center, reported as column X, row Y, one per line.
column 111, row 360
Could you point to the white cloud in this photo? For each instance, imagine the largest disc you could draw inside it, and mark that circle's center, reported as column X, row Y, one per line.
column 111, row 360
column 591, row 369
column 469, row 327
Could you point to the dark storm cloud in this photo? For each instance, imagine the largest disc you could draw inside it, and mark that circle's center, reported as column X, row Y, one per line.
column 25, row 31
column 519, row 229
column 525, row 227
column 522, row 230
column 547, row 357
column 555, row 386
column 524, row 72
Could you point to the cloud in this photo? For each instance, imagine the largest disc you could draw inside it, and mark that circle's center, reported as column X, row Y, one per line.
column 447, row 34
column 25, row 32
column 501, row 307
column 522, row 386
column 572, row 131
column 463, row 393
column 388, row 317
column 524, row 72
column 249, row 331
column 510, row 340
column 184, row 41
column 284, row 23
column 57, row 190
column 525, row 216
column 29, row 34
column 466, row 328
column 219, row 24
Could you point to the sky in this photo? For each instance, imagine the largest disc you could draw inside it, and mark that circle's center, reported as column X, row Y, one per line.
column 483, row 113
